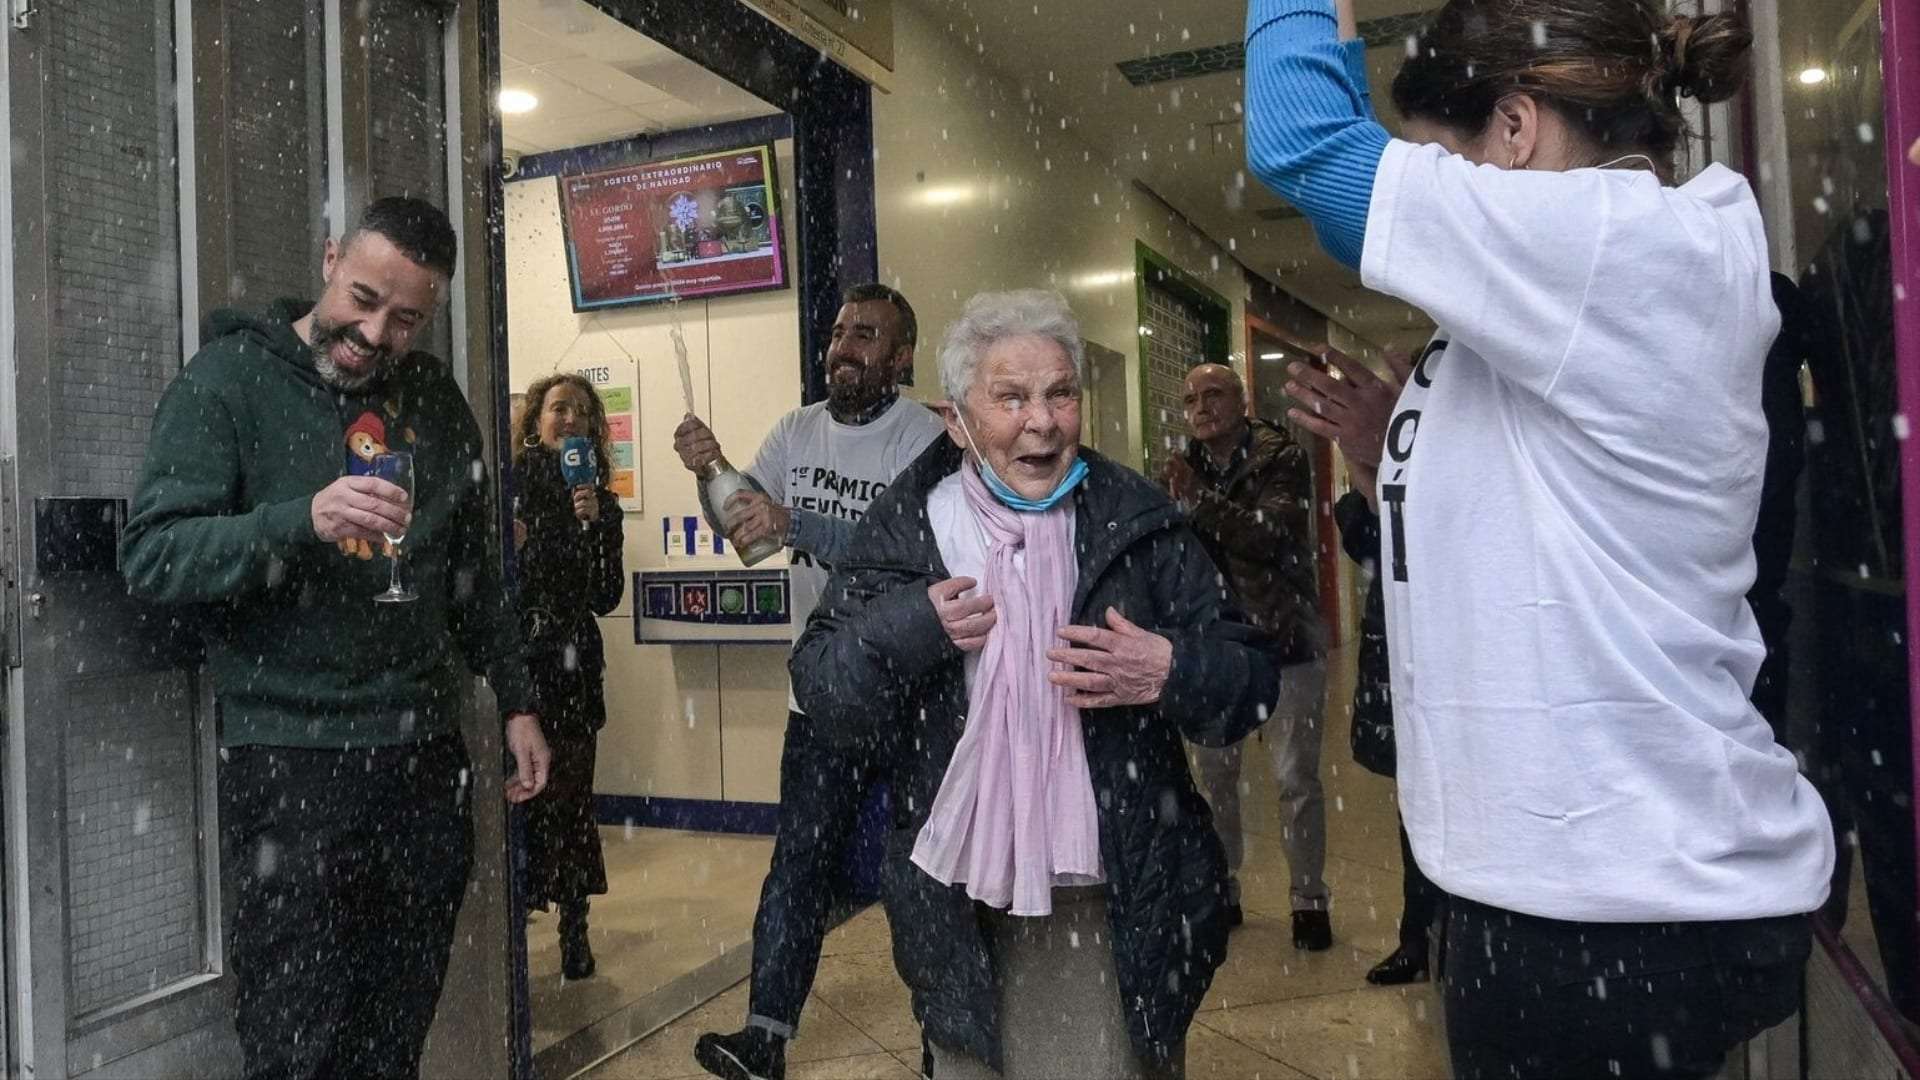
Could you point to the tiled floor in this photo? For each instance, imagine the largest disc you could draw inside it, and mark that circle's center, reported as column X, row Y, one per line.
column 675, row 900
column 1273, row 1012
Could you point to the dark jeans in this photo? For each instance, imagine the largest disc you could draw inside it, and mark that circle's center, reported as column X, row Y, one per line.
column 348, row 868
column 821, row 790
column 1420, row 898
column 1529, row 997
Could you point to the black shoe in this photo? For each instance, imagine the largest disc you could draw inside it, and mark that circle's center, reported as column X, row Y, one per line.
column 576, row 955
column 750, row 1054
column 1235, row 916
column 1312, row 931
column 1407, row 964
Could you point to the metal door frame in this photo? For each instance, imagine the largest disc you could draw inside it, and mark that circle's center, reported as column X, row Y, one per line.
column 13, row 805
column 47, row 1040
column 1900, row 60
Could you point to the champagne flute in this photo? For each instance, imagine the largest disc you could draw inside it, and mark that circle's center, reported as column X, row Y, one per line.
column 396, row 467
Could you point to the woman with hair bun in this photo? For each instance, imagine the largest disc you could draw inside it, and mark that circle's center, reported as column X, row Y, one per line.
column 1567, row 487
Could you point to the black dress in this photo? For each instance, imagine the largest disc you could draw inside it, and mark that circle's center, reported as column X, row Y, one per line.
column 568, row 575
column 1372, row 735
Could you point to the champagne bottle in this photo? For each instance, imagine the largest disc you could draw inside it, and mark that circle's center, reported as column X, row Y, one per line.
column 719, row 483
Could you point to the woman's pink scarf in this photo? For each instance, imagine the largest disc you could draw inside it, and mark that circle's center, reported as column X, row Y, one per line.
column 1015, row 814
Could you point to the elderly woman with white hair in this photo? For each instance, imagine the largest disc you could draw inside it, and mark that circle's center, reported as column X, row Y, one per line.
column 1026, row 631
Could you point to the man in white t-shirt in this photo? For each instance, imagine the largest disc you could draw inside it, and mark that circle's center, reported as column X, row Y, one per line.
column 820, row 467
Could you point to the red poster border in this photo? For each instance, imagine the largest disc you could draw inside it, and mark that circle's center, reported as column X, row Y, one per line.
column 783, row 271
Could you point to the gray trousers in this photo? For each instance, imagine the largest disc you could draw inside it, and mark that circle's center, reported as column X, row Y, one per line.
column 1060, row 1012
column 1293, row 733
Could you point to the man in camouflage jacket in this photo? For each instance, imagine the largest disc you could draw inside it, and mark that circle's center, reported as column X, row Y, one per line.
column 1248, row 486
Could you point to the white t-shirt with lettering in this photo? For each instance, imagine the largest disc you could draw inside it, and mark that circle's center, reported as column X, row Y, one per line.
column 810, row 461
column 1567, row 507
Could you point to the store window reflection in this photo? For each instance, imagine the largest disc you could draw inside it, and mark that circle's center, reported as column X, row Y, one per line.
column 1850, row 719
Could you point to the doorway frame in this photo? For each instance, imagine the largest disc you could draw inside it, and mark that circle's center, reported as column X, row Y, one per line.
column 835, row 246
column 1151, row 269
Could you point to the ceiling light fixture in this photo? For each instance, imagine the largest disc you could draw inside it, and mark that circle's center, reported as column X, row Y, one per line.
column 515, row 102
column 1813, row 76
column 1273, row 356
column 1102, row 280
column 947, row 195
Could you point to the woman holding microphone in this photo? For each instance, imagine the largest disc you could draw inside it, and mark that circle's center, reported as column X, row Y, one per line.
column 569, row 537
column 1567, row 488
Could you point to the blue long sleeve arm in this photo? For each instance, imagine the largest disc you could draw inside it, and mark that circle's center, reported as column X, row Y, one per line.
column 1311, row 135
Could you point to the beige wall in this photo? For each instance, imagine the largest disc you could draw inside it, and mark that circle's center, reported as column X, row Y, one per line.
column 683, row 721
column 975, row 192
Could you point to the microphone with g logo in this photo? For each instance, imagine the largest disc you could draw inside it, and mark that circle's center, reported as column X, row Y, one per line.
column 579, row 466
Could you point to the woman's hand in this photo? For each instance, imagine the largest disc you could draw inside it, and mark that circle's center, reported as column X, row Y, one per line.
column 531, row 758
column 966, row 621
column 1353, row 411
column 586, row 503
column 1125, row 665
column 519, row 534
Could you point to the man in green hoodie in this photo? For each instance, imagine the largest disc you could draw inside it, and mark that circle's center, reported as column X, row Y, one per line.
column 344, row 780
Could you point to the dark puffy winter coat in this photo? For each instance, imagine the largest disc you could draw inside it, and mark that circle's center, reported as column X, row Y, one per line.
column 875, row 669
column 567, row 576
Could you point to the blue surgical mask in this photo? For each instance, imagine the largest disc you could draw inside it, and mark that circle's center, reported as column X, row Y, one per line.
column 1012, row 499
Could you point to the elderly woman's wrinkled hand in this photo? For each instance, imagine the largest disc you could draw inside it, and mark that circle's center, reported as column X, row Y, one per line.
column 1124, row 665
column 965, row 619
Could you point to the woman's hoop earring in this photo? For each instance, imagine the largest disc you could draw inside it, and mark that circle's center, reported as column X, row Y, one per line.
column 530, row 441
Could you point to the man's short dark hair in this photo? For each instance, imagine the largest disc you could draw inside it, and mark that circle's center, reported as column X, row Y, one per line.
column 909, row 325
column 418, row 228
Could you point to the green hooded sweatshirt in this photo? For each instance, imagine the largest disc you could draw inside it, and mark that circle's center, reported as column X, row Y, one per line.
column 299, row 653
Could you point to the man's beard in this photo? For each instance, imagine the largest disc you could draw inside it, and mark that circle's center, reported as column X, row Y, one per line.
column 852, row 397
column 325, row 336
